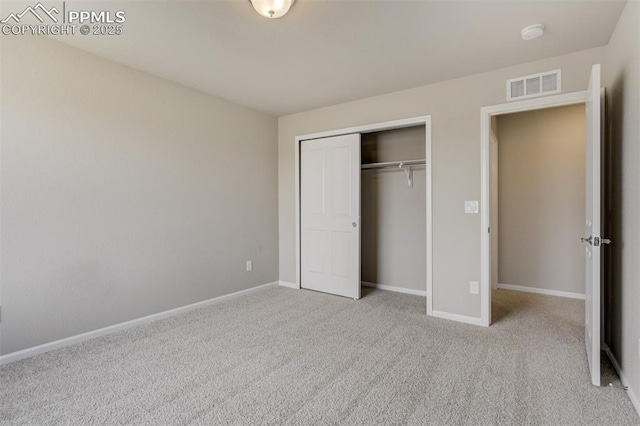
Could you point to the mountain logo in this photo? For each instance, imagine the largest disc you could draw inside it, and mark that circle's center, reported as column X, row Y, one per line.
column 34, row 11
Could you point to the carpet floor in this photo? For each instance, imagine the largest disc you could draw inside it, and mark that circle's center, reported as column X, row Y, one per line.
column 283, row 356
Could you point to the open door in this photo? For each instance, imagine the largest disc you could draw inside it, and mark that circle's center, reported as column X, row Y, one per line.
column 593, row 239
column 330, row 215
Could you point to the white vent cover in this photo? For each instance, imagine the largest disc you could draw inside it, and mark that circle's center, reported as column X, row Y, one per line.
column 534, row 85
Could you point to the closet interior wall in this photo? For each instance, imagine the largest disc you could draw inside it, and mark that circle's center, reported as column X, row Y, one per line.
column 393, row 233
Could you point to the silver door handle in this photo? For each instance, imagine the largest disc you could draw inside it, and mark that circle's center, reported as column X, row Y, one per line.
column 595, row 241
column 354, row 224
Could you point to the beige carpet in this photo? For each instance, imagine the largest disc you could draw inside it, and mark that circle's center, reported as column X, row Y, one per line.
column 282, row 356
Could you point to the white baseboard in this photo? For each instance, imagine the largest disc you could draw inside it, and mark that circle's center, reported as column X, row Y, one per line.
column 455, row 317
column 288, row 284
column 542, row 291
column 394, row 288
column 72, row 340
column 630, row 391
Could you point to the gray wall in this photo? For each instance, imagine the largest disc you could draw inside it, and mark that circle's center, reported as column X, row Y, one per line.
column 541, row 198
column 454, row 107
column 123, row 194
column 622, row 78
column 393, row 237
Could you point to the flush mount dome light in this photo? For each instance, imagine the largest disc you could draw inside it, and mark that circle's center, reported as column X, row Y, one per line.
column 271, row 8
column 532, row 31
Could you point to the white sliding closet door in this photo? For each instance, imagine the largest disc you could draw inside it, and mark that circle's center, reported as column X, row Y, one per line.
column 330, row 215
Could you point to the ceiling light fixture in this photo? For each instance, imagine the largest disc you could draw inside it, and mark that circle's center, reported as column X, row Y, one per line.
column 532, row 31
column 271, row 8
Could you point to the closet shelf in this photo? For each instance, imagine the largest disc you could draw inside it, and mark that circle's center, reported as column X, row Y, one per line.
column 393, row 164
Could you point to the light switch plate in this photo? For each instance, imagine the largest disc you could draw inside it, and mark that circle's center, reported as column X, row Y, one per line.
column 249, row 265
column 471, row 207
column 474, row 287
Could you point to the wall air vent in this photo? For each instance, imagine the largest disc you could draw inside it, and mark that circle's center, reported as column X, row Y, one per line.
column 530, row 86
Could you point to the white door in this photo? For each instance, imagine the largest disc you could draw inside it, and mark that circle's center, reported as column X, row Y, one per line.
column 330, row 215
column 593, row 238
column 493, row 196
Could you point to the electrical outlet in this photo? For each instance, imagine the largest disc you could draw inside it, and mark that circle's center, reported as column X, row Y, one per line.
column 249, row 265
column 474, row 287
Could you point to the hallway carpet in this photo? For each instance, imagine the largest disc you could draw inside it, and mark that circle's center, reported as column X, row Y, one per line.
column 283, row 356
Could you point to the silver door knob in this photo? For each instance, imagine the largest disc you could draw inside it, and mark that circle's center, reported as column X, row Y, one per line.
column 586, row 240
column 354, row 224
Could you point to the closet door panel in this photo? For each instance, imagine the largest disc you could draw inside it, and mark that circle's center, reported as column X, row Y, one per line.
column 330, row 215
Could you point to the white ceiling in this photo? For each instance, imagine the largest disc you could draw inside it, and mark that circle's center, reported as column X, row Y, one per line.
column 328, row 52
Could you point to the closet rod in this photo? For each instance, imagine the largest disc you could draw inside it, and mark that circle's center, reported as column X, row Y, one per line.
column 393, row 164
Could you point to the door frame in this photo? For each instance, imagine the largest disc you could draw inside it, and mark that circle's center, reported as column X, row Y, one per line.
column 425, row 121
column 486, row 113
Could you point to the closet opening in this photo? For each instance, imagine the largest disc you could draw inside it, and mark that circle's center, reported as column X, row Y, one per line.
column 363, row 209
column 394, row 210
